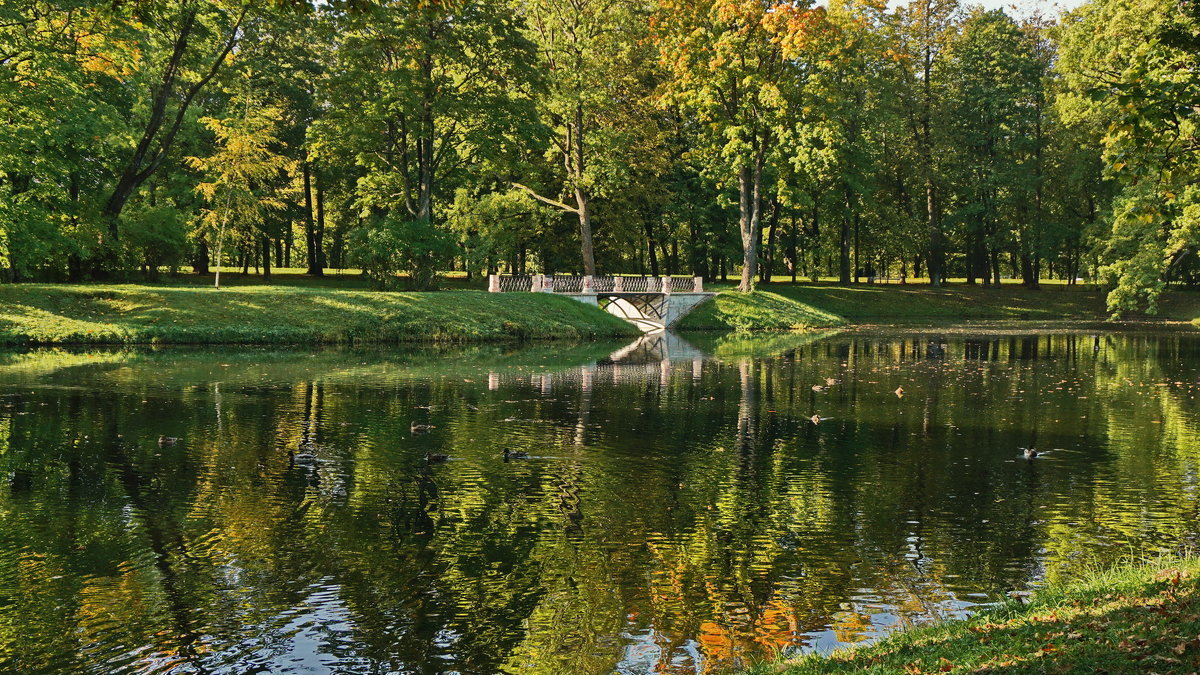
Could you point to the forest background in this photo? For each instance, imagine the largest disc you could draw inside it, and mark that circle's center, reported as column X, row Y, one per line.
column 407, row 138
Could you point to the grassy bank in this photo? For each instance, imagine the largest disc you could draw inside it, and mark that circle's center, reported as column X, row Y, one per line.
column 1141, row 618
column 784, row 306
column 761, row 310
column 128, row 314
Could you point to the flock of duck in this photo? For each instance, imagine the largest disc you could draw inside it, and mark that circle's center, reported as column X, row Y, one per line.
column 1030, row 453
column 307, row 458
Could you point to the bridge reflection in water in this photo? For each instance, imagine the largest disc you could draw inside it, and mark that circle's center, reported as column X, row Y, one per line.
column 680, row 528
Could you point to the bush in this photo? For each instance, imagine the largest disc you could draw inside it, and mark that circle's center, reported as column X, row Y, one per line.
column 154, row 236
column 387, row 246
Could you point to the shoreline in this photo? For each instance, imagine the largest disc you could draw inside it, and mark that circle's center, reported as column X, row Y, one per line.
column 50, row 315
column 1132, row 617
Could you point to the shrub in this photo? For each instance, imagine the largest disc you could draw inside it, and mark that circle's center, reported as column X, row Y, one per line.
column 386, row 246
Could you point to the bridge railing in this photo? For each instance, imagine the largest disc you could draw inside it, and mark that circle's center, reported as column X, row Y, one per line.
column 561, row 283
column 510, row 283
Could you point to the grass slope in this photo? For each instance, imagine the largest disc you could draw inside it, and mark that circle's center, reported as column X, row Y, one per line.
column 1142, row 618
column 784, row 306
column 760, row 310
column 127, row 314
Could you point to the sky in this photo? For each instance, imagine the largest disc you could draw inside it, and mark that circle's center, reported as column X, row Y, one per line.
column 1018, row 8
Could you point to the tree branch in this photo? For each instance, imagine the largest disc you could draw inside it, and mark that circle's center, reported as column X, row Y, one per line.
column 551, row 202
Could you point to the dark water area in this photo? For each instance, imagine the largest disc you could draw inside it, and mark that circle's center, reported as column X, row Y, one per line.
column 678, row 510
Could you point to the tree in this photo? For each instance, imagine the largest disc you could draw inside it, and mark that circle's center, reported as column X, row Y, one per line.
column 925, row 26
column 189, row 66
column 418, row 92
column 1130, row 68
column 739, row 67
column 243, row 162
column 993, row 81
column 595, row 92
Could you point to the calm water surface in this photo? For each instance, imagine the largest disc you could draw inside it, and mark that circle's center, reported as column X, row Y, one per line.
column 678, row 510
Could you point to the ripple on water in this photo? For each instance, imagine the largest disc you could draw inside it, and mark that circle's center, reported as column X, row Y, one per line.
column 670, row 516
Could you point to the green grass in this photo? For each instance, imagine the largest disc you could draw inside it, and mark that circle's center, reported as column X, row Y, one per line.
column 894, row 303
column 127, row 314
column 1134, row 618
column 297, row 309
column 760, row 310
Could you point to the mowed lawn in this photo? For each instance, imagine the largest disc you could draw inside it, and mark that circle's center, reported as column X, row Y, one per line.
column 894, row 302
column 270, row 314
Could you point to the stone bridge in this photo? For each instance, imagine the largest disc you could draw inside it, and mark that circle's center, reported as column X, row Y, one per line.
column 650, row 303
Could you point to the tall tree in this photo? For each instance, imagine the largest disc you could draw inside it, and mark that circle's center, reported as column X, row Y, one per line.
column 243, row 162
column 739, row 67
column 593, row 56
column 992, row 86
column 201, row 36
column 418, row 94
column 925, row 28
column 1133, row 69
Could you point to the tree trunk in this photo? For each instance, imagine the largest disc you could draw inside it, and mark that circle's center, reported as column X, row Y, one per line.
column 266, row 257
column 653, row 256
column 1027, row 274
column 749, row 189
column 319, row 235
column 200, row 261
column 310, row 234
column 975, row 256
column 936, row 260
column 795, row 248
column 699, row 257
column 582, row 200
column 768, row 267
column 844, row 271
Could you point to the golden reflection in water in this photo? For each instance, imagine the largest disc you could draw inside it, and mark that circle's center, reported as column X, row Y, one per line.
column 678, row 510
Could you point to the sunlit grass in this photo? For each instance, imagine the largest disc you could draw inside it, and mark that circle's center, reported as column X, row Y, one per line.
column 760, row 310
column 119, row 314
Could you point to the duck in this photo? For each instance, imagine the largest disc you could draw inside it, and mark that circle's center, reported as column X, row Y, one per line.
column 167, row 440
column 817, row 387
column 899, row 391
column 817, row 419
column 301, row 459
column 515, row 454
column 419, row 428
column 436, row 457
column 1031, row 453
column 830, row 381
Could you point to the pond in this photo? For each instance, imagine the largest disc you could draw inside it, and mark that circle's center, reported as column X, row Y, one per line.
column 677, row 509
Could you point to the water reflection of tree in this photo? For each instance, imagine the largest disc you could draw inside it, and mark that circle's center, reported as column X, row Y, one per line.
column 698, row 512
